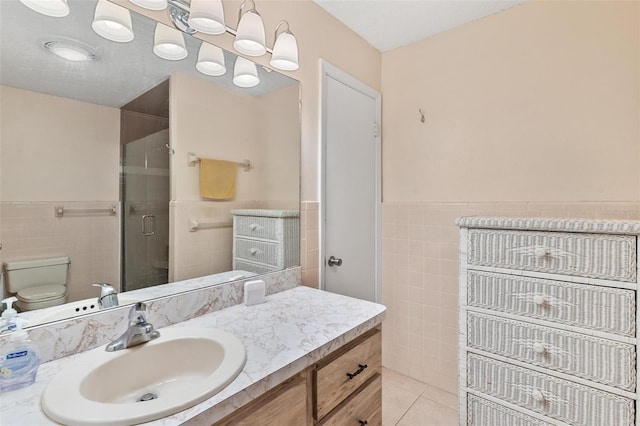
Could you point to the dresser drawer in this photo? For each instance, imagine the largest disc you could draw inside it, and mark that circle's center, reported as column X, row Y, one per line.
column 257, row 251
column 481, row 412
column 611, row 257
column 256, row 227
column 559, row 350
column 256, row 268
column 363, row 407
column 343, row 375
column 556, row 398
column 605, row 309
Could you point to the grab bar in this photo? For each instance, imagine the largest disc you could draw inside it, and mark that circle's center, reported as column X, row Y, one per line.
column 195, row 224
column 60, row 211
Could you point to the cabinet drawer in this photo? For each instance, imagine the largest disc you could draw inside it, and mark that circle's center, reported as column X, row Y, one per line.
column 346, row 373
column 253, row 267
column 257, row 251
column 611, row 257
column 481, row 412
column 556, row 398
column 364, row 406
column 605, row 309
column 559, row 350
column 256, row 227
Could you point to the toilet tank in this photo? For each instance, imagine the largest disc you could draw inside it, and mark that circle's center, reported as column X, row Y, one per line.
column 37, row 272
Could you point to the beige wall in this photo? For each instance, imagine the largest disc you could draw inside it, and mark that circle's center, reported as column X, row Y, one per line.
column 530, row 112
column 54, row 148
column 537, row 103
column 60, row 152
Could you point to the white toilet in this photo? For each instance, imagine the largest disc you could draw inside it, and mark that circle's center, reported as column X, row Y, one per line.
column 38, row 283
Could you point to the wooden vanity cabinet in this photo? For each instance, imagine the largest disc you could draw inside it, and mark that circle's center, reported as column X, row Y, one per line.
column 344, row 388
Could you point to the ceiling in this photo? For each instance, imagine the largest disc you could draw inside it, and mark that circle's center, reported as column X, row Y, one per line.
column 388, row 24
column 121, row 71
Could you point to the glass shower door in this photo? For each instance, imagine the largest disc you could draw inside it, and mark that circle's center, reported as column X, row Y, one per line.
column 145, row 192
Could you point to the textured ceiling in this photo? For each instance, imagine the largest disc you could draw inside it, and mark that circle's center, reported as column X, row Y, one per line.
column 388, row 24
column 121, row 72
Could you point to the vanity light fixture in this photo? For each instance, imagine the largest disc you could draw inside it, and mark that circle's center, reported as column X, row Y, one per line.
column 169, row 43
column 151, row 4
column 70, row 51
column 285, row 50
column 250, row 38
column 207, row 16
column 245, row 73
column 211, row 60
column 55, row 8
column 112, row 22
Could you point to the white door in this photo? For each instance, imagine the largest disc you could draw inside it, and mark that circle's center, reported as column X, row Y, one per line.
column 350, row 226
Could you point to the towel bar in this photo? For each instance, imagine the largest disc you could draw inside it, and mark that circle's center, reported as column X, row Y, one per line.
column 60, row 211
column 193, row 159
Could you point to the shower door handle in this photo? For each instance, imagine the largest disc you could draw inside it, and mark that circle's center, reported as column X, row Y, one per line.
column 144, row 225
column 334, row 261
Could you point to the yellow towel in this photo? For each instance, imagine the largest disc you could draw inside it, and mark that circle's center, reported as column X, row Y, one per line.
column 217, row 179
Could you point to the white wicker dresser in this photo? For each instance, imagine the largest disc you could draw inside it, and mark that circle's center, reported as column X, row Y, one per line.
column 265, row 240
column 548, row 322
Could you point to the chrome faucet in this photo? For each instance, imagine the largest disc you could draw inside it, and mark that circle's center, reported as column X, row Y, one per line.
column 108, row 296
column 139, row 331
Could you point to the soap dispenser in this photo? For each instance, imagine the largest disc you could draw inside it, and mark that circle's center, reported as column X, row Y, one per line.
column 8, row 319
column 19, row 361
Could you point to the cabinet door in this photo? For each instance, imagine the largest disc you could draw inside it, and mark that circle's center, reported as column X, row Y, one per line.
column 285, row 405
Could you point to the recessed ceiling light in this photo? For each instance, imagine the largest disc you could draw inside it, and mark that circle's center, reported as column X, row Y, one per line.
column 70, row 51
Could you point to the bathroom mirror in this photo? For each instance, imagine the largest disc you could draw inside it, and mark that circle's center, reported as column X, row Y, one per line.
column 100, row 158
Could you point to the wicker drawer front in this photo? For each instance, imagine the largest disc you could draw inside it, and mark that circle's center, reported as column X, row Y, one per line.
column 256, row 227
column 564, row 351
column 256, row 268
column 604, row 309
column 611, row 257
column 481, row 412
column 336, row 380
column 257, row 251
column 556, row 398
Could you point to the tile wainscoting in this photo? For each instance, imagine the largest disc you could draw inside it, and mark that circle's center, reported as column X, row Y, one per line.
column 420, row 277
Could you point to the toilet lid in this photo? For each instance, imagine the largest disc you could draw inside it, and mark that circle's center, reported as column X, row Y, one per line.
column 45, row 292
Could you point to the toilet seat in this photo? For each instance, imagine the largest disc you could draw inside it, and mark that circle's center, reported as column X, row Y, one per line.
column 40, row 297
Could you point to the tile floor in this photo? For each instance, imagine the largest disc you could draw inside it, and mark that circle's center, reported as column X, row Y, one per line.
column 408, row 402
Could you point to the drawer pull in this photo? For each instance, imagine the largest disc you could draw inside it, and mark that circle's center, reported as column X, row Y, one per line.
column 363, row 422
column 255, row 226
column 253, row 251
column 358, row 371
column 541, row 252
column 539, row 300
column 537, row 396
column 539, row 348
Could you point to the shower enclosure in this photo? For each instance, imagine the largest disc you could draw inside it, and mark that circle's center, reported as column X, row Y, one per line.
column 145, row 211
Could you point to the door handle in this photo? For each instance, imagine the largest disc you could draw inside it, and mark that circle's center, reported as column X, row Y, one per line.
column 334, row 261
column 144, row 225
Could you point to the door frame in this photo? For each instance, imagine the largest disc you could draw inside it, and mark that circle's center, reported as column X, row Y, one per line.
column 328, row 70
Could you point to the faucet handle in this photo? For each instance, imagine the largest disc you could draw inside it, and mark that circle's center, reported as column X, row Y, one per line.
column 137, row 313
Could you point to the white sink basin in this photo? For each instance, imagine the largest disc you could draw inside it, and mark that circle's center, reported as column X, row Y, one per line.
column 181, row 368
column 71, row 310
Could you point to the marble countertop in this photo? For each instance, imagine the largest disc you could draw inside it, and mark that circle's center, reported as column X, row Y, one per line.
column 283, row 336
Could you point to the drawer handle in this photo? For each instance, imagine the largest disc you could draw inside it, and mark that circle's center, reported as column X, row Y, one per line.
column 541, row 252
column 358, row 371
column 539, row 300
column 537, row 396
column 539, row 348
column 253, row 251
column 254, row 226
column 363, row 422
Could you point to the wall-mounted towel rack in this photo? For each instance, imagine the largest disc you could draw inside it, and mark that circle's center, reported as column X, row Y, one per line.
column 193, row 159
column 60, row 211
column 195, row 224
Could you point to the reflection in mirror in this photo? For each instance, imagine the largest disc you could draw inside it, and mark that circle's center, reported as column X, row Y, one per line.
column 131, row 165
